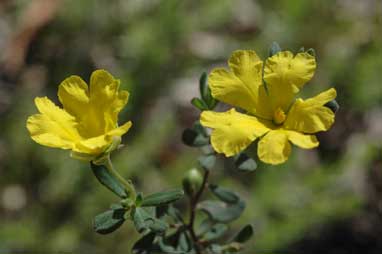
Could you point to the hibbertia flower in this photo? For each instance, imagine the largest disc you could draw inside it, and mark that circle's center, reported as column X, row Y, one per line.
column 88, row 122
column 272, row 113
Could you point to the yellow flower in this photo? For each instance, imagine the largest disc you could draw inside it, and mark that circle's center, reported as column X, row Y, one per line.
column 88, row 122
column 273, row 114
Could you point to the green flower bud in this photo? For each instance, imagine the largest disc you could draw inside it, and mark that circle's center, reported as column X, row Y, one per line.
column 192, row 182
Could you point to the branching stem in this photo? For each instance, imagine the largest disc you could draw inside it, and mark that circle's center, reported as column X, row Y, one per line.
column 193, row 203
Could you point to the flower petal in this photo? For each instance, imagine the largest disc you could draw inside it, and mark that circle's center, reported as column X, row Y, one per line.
column 54, row 127
column 74, row 96
column 285, row 75
column 99, row 144
column 311, row 116
column 120, row 130
column 94, row 146
column 274, row 147
column 243, row 86
column 106, row 101
column 232, row 131
column 302, row 140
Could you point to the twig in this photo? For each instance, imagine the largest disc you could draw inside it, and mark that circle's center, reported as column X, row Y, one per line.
column 193, row 202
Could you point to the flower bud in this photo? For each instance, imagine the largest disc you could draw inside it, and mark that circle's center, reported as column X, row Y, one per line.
column 192, row 182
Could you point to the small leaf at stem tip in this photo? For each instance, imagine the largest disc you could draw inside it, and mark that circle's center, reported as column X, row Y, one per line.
column 222, row 212
column 145, row 221
column 199, row 104
column 333, row 105
column 244, row 234
column 274, row 49
column 203, row 86
column 207, row 161
column 245, row 163
column 109, row 221
column 107, row 179
column 224, row 194
column 162, row 198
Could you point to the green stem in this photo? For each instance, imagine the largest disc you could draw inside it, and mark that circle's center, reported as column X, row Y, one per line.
column 126, row 183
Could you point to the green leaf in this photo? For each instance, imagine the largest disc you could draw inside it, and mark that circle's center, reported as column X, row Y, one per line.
column 184, row 244
column 107, row 179
column 220, row 211
column 109, row 221
column 207, row 161
column 162, row 198
column 215, row 232
column 274, row 49
column 216, row 248
column 200, row 104
column 311, row 52
column 244, row 235
column 224, row 194
column 144, row 244
column 204, row 226
column 333, row 105
column 195, row 136
column 245, row 163
column 174, row 213
column 144, row 221
column 203, row 86
column 167, row 248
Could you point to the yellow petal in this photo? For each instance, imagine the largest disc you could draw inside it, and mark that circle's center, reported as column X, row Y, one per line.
column 106, row 101
column 274, row 147
column 53, row 127
column 311, row 116
column 302, row 140
column 232, row 131
column 74, row 96
column 242, row 87
column 285, row 75
column 120, row 130
column 99, row 144
column 94, row 146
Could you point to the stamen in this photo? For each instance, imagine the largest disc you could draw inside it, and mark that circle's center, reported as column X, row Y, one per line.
column 279, row 116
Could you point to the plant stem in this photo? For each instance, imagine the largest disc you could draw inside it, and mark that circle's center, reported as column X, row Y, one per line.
column 193, row 202
column 127, row 184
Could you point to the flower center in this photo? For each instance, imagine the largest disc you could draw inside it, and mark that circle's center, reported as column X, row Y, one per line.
column 279, row 116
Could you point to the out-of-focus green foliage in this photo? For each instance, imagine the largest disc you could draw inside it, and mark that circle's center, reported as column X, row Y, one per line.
column 159, row 48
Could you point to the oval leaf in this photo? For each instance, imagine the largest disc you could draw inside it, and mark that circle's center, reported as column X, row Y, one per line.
column 144, row 245
column 107, row 179
column 224, row 194
column 244, row 235
column 162, row 198
column 220, row 211
column 215, row 232
column 109, row 221
column 245, row 163
column 144, row 221
column 207, row 161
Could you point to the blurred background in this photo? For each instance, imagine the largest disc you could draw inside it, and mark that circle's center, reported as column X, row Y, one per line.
column 327, row 200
